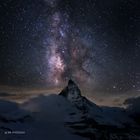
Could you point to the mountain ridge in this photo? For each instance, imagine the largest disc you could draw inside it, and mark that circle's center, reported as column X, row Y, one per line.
column 68, row 113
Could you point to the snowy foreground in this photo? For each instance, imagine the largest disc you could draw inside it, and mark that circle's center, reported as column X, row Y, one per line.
column 67, row 116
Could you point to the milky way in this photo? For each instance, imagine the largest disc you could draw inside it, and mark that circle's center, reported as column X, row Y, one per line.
column 67, row 54
column 48, row 42
column 55, row 61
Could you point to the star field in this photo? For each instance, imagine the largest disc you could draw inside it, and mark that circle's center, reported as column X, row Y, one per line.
column 46, row 42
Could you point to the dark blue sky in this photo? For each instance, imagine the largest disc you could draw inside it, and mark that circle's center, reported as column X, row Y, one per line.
column 96, row 43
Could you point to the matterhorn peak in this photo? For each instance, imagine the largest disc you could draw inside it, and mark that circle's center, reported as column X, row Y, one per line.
column 71, row 91
column 71, row 83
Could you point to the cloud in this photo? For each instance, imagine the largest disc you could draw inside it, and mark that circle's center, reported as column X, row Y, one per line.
column 6, row 94
column 11, row 110
column 133, row 105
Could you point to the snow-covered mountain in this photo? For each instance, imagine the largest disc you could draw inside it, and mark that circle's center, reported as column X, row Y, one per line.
column 102, row 115
column 68, row 115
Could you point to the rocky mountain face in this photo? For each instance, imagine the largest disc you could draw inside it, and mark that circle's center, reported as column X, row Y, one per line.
column 73, row 94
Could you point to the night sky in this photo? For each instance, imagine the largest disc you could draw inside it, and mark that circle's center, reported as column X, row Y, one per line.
column 43, row 43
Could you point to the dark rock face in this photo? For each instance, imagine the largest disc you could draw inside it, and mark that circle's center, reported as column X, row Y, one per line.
column 71, row 90
column 72, row 93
